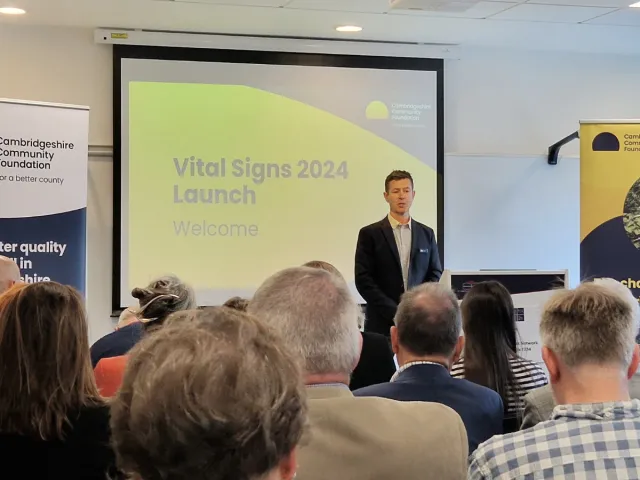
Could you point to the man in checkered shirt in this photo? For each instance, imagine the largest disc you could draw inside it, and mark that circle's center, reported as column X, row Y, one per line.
column 594, row 433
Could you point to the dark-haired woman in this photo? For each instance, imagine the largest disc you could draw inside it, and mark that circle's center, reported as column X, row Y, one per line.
column 163, row 297
column 490, row 357
column 53, row 422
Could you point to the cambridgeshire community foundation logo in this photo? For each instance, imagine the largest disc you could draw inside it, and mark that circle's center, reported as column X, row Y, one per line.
column 377, row 110
column 30, row 153
column 626, row 141
column 605, row 142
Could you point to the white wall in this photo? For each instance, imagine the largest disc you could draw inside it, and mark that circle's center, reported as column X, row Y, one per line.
column 497, row 101
column 511, row 102
column 517, row 212
column 64, row 65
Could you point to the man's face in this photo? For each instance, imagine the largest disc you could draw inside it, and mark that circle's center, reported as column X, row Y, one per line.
column 400, row 196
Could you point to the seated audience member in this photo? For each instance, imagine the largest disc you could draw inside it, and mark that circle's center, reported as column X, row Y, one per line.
column 376, row 363
column 9, row 274
column 353, row 438
column 489, row 356
column 539, row 403
column 590, row 352
column 426, row 340
column 128, row 332
column 160, row 299
column 53, row 422
column 218, row 397
column 237, row 303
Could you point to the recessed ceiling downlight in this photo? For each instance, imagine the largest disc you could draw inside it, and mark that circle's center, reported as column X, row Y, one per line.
column 12, row 11
column 349, row 28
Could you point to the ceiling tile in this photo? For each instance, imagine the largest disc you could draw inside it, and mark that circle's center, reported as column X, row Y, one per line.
column 529, row 12
column 238, row 3
column 584, row 3
column 626, row 17
column 365, row 6
column 477, row 10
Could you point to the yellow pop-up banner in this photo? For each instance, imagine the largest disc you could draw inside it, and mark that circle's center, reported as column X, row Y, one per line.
column 610, row 201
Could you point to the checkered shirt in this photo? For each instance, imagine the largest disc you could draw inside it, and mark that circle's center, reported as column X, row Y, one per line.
column 588, row 441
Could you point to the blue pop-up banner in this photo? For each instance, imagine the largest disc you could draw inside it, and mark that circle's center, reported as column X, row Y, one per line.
column 43, row 190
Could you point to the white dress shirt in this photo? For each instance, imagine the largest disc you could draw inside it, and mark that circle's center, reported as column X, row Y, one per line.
column 402, row 234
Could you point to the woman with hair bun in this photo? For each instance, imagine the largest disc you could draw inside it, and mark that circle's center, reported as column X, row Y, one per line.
column 159, row 300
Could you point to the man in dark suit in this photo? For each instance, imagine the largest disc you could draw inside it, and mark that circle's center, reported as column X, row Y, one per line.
column 394, row 255
column 128, row 332
column 427, row 341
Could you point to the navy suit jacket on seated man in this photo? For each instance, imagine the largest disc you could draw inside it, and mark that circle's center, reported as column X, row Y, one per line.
column 479, row 407
column 394, row 255
column 427, row 341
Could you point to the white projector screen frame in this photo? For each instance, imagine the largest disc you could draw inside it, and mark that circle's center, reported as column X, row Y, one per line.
column 123, row 54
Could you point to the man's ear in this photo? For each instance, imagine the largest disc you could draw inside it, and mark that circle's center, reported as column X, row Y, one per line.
column 386, row 196
column 359, row 352
column 635, row 360
column 457, row 352
column 395, row 346
column 288, row 465
column 552, row 363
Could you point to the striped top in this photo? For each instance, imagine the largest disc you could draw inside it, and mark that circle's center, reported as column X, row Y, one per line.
column 528, row 376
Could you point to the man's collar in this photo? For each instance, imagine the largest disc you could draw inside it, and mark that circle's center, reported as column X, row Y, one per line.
column 328, row 390
column 408, row 365
column 394, row 223
column 598, row 411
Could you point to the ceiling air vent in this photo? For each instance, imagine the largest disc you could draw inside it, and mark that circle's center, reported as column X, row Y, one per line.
column 433, row 5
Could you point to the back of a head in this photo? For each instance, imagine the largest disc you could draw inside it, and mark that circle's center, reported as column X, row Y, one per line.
column 593, row 324
column 428, row 320
column 314, row 312
column 9, row 273
column 161, row 298
column 218, row 397
column 326, row 266
column 490, row 336
column 237, row 303
column 44, row 353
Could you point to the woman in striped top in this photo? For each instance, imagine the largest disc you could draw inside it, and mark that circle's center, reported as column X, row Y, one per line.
column 490, row 357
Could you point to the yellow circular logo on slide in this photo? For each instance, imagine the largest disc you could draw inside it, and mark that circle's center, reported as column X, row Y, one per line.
column 377, row 110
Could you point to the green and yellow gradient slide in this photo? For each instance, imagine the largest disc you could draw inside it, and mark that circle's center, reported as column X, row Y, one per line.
column 229, row 183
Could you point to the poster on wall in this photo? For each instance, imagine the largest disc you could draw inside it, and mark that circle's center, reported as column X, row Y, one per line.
column 610, row 201
column 528, row 312
column 43, row 190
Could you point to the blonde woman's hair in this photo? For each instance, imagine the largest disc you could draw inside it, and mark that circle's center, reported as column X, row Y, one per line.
column 46, row 375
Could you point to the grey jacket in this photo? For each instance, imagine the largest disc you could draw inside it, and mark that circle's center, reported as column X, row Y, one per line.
column 539, row 403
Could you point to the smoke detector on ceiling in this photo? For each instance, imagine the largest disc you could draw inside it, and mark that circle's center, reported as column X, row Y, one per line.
column 433, row 5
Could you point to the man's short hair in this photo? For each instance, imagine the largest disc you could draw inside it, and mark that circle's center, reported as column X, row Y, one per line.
column 397, row 175
column 322, row 265
column 428, row 320
column 315, row 313
column 237, row 303
column 595, row 323
column 218, row 398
